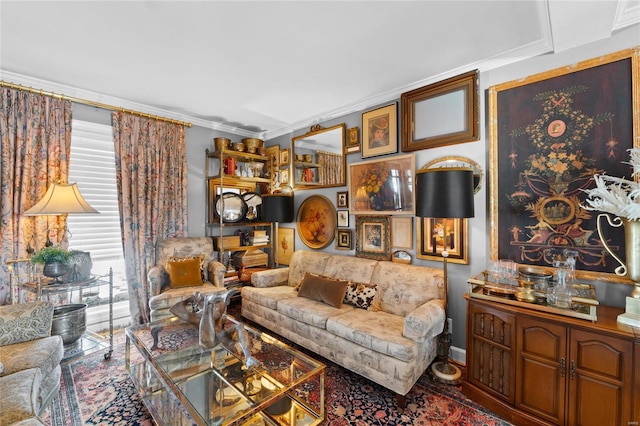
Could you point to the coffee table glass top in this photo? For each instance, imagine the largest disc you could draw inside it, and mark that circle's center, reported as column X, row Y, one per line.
column 182, row 382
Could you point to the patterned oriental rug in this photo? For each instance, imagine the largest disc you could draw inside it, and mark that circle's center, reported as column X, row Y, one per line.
column 95, row 391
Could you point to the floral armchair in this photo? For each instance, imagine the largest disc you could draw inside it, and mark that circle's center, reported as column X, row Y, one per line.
column 183, row 266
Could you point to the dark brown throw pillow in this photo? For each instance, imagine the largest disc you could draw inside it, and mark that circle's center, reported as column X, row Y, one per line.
column 323, row 289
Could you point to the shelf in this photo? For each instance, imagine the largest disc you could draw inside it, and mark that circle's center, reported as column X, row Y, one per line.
column 232, row 180
column 245, row 248
column 236, row 154
column 303, row 165
column 237, row 224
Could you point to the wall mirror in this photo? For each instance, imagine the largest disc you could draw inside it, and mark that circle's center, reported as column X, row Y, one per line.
column 458, row 161
column 318, row 159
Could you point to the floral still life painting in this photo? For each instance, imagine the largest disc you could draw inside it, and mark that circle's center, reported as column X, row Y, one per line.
column 316, row 222
column 373, row 240
column 550, row 134
column 382, row 186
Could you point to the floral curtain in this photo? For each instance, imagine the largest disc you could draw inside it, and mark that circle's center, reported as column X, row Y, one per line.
column 35, row 132
column 330, row 168
column 151, row 176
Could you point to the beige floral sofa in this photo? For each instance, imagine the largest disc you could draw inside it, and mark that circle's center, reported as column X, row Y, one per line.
column 391, row 342
column 29, row 362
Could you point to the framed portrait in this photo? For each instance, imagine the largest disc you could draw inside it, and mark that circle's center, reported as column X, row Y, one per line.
column 316, row 221
column 383, row 186
column 352, row 142
column 286, row 245
column 433, row 235
column 380, row 131
column 343, row 239
column 373, row 237
column 548, row 134
column 285, row 157
column 342, row 199
column 273, row 153
column 443, row 113
column 402, row 232
column 343, row 218
column 284, row 176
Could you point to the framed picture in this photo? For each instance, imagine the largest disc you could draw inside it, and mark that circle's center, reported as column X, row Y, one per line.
column 402, row 232
column 383, row 186
column 342, row 199
column 343, row 239
column 284, row 176
column 285, row 157
column 549, row 133
column 443, row 113
column 286, row 245
column 316, row 221
column 433, row 235
column 273, row 153
column 372, row 237
column 343, row 218
column 352, row 142
column 380, row 131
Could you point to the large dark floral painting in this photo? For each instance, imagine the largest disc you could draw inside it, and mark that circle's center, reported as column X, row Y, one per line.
column 549, row 134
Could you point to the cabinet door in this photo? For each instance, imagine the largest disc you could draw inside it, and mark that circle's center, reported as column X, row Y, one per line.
column 490, row 363
column 601, row 379
column 541, row 368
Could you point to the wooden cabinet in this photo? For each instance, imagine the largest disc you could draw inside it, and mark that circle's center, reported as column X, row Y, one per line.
column 539, row 368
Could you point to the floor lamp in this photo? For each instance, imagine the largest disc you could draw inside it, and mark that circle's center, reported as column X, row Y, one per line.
column 276, row 208
column 445, row 192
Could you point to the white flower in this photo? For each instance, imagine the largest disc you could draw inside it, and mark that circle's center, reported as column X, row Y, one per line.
column 618, row 196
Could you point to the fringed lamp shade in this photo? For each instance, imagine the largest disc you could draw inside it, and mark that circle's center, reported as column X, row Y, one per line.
column 61, row 199
column 445, row 192
column 277, row 208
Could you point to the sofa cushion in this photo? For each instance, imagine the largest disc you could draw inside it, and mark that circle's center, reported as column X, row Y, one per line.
column 402, row 288
column 328, row 290
column 356, row 269
column 44, row 354
column 360, row 295
column 185, row 271
column 303, row 261
column 24, row 322
column 378, row 331
column 19, row 399
column 268, row 296
column 310, row 311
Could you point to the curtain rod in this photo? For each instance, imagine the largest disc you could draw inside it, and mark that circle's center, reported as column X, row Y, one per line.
column 91, row 103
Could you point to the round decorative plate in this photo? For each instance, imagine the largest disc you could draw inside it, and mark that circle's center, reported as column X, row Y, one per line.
column 254, row 203
column 316, row 221
column 231, row 207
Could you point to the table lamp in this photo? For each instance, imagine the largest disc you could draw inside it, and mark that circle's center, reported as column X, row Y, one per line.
column 445, row 192
column 277, row 208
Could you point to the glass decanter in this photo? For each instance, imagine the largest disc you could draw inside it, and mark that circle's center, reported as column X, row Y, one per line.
column 560, row 294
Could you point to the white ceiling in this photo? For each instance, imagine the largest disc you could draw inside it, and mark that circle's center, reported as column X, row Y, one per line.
column 264, row 68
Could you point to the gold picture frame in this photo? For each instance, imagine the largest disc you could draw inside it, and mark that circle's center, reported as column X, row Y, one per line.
column 316, row 221
column 285, row 157
column 440, row 114
column 373, row 240
column 344, row 239
column 342, row 199
column 380, row 131
column 433, row 234
column 286, row 245
column 383, row 186
column 273, row 153
column 352, row 142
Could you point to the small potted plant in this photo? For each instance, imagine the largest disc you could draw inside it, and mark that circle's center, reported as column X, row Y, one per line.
column 54, row 259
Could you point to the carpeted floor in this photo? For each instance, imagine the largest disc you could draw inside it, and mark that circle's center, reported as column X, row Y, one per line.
column 95, row 391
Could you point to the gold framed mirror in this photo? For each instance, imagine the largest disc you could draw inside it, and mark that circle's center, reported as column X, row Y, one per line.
column 318, row 158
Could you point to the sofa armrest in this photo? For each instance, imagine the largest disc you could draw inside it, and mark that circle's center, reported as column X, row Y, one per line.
column 270, row 277
column 426, row 321
column 156, row 278
column 215, row 272
column 25, row 322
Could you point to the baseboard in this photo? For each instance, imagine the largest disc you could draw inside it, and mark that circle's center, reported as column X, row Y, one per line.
column 458, row 355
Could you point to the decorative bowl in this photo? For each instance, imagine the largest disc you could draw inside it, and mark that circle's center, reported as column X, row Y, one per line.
column 237, row 146
column 222, row 143
column 252, row 144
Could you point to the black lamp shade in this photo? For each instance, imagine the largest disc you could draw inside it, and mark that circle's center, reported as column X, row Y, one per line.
column 277, row 208
column 445, row 192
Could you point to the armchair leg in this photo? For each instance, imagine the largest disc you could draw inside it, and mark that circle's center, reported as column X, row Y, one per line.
column 154, row 332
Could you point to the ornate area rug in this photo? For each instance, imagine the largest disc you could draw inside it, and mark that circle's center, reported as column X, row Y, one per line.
column 95, row 391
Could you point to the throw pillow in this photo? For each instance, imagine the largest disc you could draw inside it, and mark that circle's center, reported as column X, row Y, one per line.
column 323, row 289
column 360, row 295
column 185, row 271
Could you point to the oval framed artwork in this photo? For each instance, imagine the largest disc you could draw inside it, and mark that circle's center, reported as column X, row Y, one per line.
column 316, row 221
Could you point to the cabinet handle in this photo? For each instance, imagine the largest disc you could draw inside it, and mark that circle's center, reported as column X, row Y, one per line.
column 572, row 370
column 563, row 367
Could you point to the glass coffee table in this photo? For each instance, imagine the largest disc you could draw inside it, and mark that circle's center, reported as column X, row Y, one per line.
column 183, row 383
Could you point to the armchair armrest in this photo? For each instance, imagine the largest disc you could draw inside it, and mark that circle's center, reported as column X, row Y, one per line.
column 270, row 277
column 156, row 278
column 25, row 322
column 215, row 272
column 426, row 321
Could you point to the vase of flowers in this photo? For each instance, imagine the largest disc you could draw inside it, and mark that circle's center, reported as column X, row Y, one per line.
column 620, row 197
column 54, row 259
